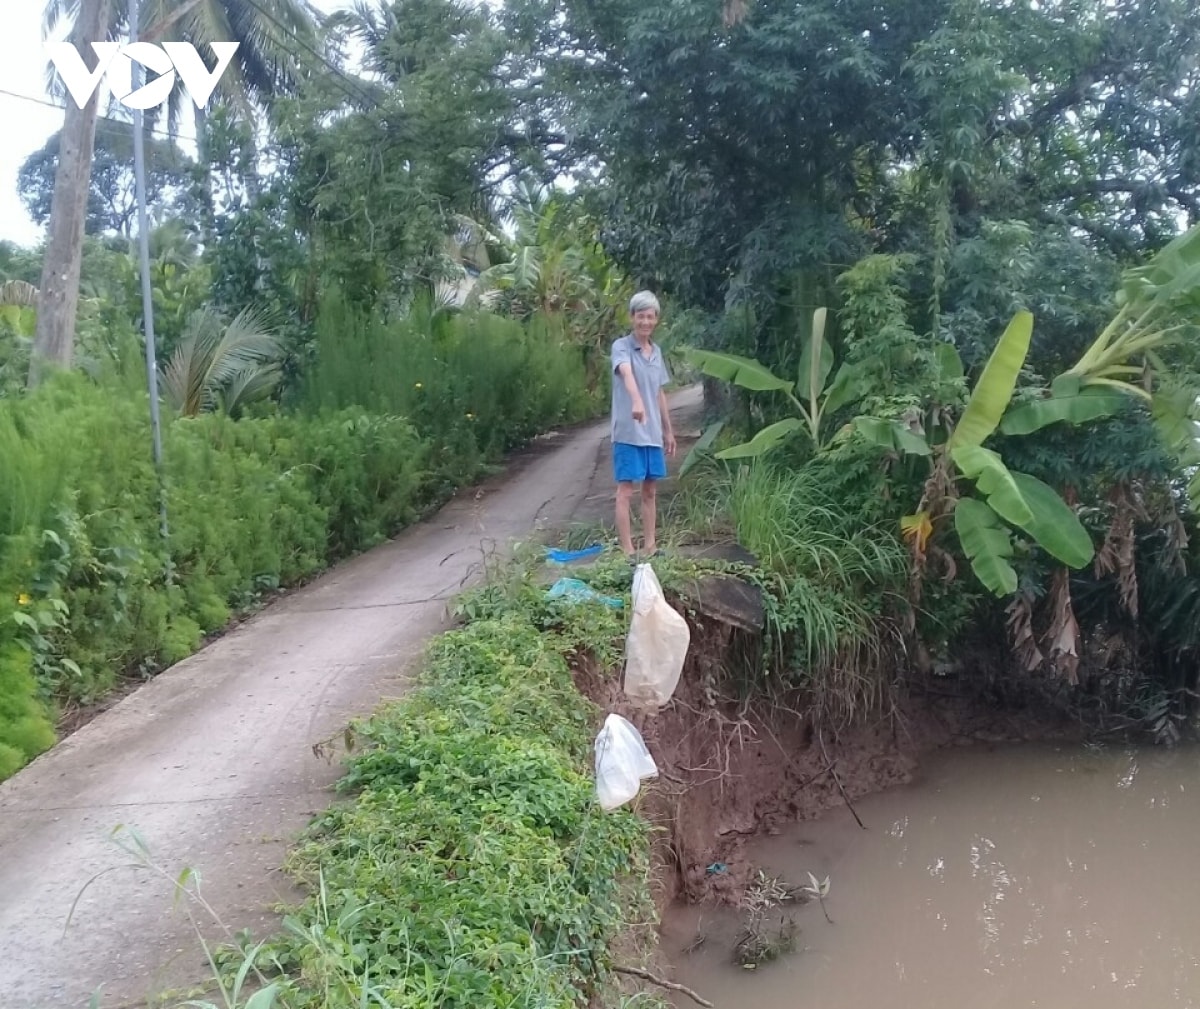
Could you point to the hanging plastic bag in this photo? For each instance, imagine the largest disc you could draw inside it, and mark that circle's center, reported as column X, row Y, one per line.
column 622, row 763
column 657, row 644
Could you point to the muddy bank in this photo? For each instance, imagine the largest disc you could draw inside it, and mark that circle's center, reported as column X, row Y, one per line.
column 731, row 769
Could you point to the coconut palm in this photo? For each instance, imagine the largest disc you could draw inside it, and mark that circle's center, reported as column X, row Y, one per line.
column 222, row 366
column 276, row 42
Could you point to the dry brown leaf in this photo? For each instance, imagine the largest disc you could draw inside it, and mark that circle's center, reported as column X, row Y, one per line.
column 950, row 567
column 1177, row 540
column 1062, row 637
column 1020, row 632
column 1117, row 555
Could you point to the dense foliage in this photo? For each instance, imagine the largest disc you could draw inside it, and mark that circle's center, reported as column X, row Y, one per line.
column 92, row 590
column 519, row 881
column 924, row 174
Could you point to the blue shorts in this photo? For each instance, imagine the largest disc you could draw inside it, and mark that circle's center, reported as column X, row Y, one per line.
column 638, row 463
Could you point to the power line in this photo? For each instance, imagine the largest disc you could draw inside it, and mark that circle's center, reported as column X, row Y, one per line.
column 165, row 134
column 356, row 87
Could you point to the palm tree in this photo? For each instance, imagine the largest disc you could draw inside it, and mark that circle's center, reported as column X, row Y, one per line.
column 557, row 268
column 272, row 36
column 222, row 366
column 276, row 39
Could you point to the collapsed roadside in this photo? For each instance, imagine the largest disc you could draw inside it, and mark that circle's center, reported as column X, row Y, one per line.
column 473, row 864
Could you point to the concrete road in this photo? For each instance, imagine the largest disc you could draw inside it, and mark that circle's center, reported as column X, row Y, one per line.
column 212, row 761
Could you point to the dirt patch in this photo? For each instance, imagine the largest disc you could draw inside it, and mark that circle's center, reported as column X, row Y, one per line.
column 730, row 770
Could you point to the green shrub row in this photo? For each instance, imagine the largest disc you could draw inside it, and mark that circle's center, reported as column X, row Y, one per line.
column 89, row 590
column 474, row 384
column 473, row 867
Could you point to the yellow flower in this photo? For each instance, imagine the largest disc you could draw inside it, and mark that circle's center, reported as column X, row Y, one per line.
column 417, row 385
column 470, row 416
column 23, row 599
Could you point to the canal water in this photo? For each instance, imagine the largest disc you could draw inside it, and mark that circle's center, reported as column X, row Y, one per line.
column 1001, row 878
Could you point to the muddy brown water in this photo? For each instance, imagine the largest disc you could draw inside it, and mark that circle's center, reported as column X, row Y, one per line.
column 1023, row 876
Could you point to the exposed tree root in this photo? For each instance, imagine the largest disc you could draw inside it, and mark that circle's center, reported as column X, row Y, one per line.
column 645, row 975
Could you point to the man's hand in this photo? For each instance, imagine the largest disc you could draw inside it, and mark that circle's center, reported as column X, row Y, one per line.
column 670, row 443
column 639, row 410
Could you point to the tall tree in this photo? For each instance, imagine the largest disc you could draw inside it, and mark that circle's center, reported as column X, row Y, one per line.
column 276, row 45
column 58, row 300
column 271, row 36
column 112, row 205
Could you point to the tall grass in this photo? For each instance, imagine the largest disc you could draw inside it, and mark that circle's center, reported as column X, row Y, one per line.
column 29, row 482
column 830, row 576
column 473, row 383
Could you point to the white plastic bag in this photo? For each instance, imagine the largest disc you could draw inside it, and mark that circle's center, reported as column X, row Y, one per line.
column 622, row 762
column 657, row 644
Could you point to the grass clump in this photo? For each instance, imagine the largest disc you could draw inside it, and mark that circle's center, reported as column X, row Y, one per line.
column 832, row 571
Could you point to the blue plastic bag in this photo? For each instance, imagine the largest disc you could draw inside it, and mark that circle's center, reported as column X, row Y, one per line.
column 567, row 556
column 575, row 591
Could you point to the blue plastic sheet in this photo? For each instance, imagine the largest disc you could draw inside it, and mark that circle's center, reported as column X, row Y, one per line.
column 567, row 556
column 575, row 591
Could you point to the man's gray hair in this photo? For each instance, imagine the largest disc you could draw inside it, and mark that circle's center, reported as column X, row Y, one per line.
column 642, row 301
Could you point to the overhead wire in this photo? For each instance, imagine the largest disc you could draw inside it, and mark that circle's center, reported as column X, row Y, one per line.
column 47, row 103
column 357, row 90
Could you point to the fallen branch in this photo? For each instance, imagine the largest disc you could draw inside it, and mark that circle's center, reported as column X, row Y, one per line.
column 838, row 782
column 842, row 789
column 645, row 975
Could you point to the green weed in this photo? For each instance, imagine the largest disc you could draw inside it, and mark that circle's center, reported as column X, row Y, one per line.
column 473, row 867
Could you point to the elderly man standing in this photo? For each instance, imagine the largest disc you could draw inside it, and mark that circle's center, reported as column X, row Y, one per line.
column 641, row 420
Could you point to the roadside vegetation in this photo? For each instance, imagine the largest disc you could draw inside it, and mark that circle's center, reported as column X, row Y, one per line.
column 468, row 862
column 473, row 867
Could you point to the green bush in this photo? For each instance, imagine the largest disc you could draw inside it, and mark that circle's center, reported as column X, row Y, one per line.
column 474, row 867
column 474, row 384
column 25, row 729
column 398, row 414
column 29, row 484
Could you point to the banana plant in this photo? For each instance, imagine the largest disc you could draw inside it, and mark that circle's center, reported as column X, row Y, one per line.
column 815, row 395
column 1158, row 306
column 18, row 302
column 1006, row 499
column 1158, row 309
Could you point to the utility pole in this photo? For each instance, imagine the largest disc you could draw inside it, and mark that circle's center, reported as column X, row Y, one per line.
column 139, row 171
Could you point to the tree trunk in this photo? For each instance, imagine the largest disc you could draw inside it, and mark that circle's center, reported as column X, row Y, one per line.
column 249, row 162
column 54, row 339
column 205, row 179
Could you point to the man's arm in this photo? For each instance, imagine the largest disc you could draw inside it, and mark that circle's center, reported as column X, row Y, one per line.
column 664, row 411
column 625, row 370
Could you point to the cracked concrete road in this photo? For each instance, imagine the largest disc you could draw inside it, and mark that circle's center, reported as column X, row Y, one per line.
column 212, row 761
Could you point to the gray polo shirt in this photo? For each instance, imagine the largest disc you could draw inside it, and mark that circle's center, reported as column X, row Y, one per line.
column 651, row 375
